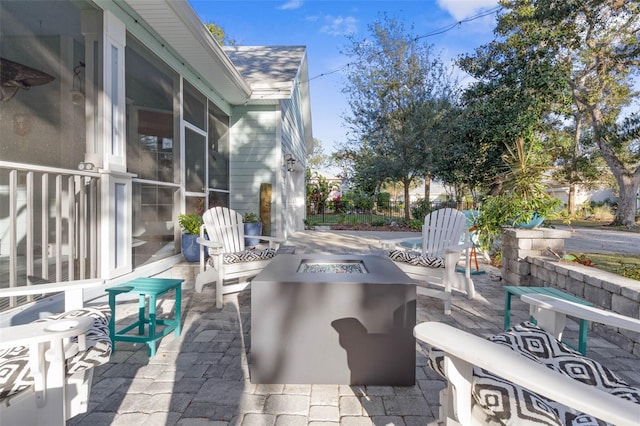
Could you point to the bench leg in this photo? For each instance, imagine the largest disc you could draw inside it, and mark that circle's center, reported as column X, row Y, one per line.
column 141, row 318
column 177, row 310
column 112, row 321
column 507, row 310
column 582, row 338
column 152, row 325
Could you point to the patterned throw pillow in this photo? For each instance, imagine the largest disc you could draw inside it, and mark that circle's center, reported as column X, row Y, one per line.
column 533, row 342
column 15, row 374
column 416, row 259
column 501, row 401
column 98, row 341
column 506, row 403
column 248, row 256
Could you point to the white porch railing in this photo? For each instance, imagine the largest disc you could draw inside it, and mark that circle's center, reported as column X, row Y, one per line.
column 48, row 225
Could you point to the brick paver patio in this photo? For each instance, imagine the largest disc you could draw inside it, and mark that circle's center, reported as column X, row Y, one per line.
column 202, row 377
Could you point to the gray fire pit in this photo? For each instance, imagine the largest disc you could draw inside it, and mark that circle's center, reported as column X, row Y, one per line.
column 333, row 320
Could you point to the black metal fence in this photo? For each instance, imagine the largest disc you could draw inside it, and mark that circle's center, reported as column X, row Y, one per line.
column 384, row 213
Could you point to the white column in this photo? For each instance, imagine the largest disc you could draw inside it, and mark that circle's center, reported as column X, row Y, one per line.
column 116, row 184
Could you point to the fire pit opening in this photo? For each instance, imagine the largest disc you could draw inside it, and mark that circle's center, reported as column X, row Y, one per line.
column 310, row 266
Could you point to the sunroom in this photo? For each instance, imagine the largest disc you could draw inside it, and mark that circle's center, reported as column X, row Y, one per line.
column 116, row 116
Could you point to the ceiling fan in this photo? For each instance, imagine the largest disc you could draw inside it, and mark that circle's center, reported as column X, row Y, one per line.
column 15, row 76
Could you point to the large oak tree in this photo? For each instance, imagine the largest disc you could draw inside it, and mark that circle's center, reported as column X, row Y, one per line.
column 586, row 50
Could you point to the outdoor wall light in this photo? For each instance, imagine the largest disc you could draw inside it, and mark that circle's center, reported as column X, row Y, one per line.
column 290, row 162
column 77, row 90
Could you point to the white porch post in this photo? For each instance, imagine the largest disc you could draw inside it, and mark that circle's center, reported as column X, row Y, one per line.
column 116, row 184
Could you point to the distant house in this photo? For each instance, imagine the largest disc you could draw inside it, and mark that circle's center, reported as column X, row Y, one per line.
column 118, row 116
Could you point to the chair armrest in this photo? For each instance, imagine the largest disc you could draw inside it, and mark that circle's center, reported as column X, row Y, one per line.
column 273, row 241
column 211, row 244
column 73, row 291
column 44, row 331
column 48, row 340
column 464, row 350
column 388, row 244
column 549, row 311
column 457, row 248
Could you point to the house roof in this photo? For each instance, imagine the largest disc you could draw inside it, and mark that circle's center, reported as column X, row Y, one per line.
column 270, row 71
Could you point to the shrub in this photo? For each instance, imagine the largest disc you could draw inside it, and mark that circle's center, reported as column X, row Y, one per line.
column 603, row 213
column 353, row 220
column 420, row 209
column 358, row 200
column 629, row 271
column 378, row 221
column 416, row 224
column 384, row 199
column 308, row 224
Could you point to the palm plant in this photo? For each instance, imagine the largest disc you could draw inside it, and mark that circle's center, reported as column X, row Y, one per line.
column 522, row 198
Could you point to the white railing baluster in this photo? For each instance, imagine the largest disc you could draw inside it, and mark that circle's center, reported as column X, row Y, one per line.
column 45, row 226
column 29, row 231
column 82, row 227
column 13, row 233
column 93, row 230
column 71, row 227
column 36, row 209
column 58, row 230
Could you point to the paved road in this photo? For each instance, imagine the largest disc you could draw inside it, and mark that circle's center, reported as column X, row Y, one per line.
column 589, row 240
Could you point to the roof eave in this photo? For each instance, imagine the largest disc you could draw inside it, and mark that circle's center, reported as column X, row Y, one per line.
column 204, row 53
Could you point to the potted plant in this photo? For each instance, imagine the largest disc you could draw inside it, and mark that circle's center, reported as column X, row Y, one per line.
column 190, row 224
column 522, row 202
column 252, row 227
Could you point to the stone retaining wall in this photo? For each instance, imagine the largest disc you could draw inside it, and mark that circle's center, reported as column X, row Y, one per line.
column 527, row 261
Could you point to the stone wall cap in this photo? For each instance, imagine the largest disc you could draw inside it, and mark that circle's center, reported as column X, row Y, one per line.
column 538, row 233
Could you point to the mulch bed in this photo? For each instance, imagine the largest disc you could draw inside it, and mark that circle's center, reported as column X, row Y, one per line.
column 366, row 227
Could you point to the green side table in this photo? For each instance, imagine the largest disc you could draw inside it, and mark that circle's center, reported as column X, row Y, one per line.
column 151, row 288
column 520, row 290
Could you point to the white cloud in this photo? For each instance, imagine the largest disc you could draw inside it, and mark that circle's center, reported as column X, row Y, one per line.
column 292, row 4
column 461, row 9
column 339, row 25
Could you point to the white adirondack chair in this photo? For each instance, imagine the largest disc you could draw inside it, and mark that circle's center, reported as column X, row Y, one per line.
column 228, row 258
column 444, row 238
column 465, row 354
column 47, row 365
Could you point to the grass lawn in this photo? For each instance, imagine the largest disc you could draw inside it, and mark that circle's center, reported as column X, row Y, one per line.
column 615, row 263
column 604, row 224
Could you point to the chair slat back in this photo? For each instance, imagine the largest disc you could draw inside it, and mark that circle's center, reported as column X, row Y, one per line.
column 442, row 228
column 226, row 227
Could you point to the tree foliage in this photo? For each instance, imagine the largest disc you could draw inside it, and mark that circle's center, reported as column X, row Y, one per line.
column 578, row 56
column 317, row 159
column 397, row 90
column 219, row 34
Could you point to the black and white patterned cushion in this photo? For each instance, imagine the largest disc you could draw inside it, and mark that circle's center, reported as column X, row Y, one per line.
column 15, row 374
column 416, row 259
column 530, row 340
column 506, row 403
column 248, row 256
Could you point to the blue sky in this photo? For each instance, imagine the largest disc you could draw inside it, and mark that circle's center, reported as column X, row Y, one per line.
column 322, row 26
